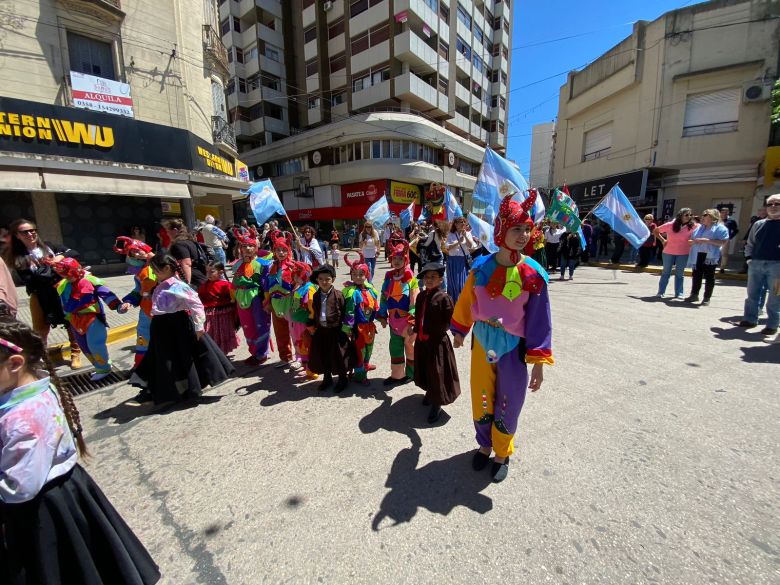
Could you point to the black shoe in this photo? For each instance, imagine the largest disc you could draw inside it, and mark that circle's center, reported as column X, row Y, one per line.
column 434, row 414
column 692, row 299
column 769, row 331
column 426, row 402
column 340, row 385
column 705, row 302
column 142, row 397
column 747, row 324
column 396, row 381
column 326, row 383
column 480, row 461
column 499, row 471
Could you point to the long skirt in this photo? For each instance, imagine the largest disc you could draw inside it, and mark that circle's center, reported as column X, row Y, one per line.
column 457, row 272
column 331, row 352
column 221, row 327
column 70, row 533
column 439, row 377
column 177, row 364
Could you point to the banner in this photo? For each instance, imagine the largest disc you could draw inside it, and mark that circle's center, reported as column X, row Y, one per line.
column 498, row 177
column 616, row 211
column 264, row 201
column 564, row 211
column 379, row 213
column 102, row 95
column 404, row 193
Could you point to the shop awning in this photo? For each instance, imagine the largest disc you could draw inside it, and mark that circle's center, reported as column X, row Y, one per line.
column 65, row 183
column 20, row 180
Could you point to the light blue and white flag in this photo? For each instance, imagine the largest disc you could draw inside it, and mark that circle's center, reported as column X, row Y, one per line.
column 379, row 212
column 451, row 206
column 616, row 211
column 264, row 201
column 483, row 231
column 407, row 215
column 497, row 178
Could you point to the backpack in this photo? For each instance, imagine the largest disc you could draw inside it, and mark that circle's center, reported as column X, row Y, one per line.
column 430, row 252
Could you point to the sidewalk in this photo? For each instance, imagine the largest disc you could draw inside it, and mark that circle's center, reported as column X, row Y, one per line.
column 729, row 275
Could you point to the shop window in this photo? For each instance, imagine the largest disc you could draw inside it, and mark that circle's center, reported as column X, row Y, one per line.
column 90, row 56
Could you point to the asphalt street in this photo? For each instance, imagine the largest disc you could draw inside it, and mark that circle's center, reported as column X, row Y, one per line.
column 650, row 455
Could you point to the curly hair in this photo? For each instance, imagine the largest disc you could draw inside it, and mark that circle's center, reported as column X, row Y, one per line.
column 36, row 356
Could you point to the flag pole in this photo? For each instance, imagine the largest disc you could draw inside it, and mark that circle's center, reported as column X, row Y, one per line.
column 587, row 215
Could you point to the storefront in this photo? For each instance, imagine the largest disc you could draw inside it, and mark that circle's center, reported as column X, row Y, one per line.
column 84, row 177
column 634, row 184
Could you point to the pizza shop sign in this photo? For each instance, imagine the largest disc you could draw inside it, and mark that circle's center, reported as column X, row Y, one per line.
column 364, row 193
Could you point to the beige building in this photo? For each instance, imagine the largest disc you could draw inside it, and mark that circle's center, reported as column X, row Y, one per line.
column 542, row 155
column 112, row 114
column 677, row 113
column 341, row 101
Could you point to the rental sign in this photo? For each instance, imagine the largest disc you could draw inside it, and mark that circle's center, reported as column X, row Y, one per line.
column 102, row 95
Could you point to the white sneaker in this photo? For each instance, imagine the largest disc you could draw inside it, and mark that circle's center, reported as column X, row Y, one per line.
column 659, row 296
column 97, row 376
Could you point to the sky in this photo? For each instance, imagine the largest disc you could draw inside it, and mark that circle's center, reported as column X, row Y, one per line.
column 539, row 71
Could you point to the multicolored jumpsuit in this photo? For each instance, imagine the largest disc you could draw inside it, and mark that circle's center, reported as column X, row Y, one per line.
column 279, row 285
column 84, row 311
column 399, row 292
column 141, row 296
column 361, row 305
column 248, row 281
column 301, row 311
column 509, row 309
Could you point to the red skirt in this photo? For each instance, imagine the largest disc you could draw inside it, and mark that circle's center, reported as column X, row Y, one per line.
column 221, row 327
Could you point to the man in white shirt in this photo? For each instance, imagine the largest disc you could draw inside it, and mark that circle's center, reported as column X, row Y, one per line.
column 214, row 238
column 552, row 238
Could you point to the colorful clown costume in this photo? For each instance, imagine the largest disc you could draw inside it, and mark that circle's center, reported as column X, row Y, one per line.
column 279, row 284
column 248, row 282
column 301, row 311
column 399, row 293
column 84, row 311
column 141, row 296
column 362, row 303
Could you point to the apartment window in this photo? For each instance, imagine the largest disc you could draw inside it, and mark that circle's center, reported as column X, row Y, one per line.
column 379, row 34
column 479, row 64
column 376, row 149
column 271, row 82
column 314, row 102
column 496, row 49
column 253, row 81
column 338, row 62
column 380, row 75
column 307, row 3
column 503, row 78
column 255, row 112
column 312, row 67
column 444, row 50
column 506, row 25
column 497, row 23
column 462, row 47
column 360, row 81
column 309, row 34
column 488, row 15
column 493, row 75
column 494, row 101
column 250, row 54
column 476, row 119
column 239, row 55
column 336, row 29
column 432, row 4
column 464, row 16
column 476, row 90
column 242, row 87
column 338, row 97
column 478, row 34
column 272, row 52
column 273, row 110
column 502, row 102
column 236, row 24
column 230, row 88
column 90, row 56
column 443, row 85
column 501, row 127
column 504, row 52
column 224, row 27
column 712, row 112
column 359, row 43
column 597, row 142
column 444, row 12
column 357, row 7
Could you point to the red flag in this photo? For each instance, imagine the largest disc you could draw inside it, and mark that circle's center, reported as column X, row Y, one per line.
column 565, row 189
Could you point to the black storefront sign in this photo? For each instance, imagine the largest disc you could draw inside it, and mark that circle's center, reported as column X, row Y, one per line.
column 587, row 194
column 44, row 129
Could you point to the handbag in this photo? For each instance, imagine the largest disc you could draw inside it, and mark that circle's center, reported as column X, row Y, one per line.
column 466, row 256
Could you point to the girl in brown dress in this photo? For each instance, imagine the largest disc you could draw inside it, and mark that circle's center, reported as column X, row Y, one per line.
column 436, row 371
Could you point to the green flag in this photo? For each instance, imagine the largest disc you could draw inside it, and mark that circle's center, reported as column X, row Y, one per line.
column 564, row 211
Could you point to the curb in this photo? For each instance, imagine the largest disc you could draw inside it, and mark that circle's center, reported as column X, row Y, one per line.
column 115, row 335
column 658, row 270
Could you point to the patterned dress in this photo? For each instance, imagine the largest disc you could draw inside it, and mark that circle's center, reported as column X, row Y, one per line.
column 362, row 304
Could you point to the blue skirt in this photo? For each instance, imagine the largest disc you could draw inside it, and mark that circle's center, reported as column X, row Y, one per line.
column 457, row 272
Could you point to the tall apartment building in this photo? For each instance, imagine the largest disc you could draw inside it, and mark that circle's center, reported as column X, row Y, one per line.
column 542, row 136
column 342, row 101
column 677, row 113
column 112, row 114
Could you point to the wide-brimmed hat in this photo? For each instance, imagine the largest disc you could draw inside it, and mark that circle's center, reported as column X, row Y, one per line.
column 322, row 269
column 435, row 266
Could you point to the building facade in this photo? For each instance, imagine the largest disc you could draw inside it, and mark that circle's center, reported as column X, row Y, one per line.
column 341, row 101
column 112, row 114
column 542, row 136
column 678, row 113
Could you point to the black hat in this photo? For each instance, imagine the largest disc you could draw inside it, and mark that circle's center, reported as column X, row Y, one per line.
column 437, row 266
column 322, row 269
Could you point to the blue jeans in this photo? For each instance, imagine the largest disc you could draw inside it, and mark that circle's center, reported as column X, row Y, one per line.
column 678, row 261
column 219, row 252
column 763, row 274
column 570, row 263
column 371, row 266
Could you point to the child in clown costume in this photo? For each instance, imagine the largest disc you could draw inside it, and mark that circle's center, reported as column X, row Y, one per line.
column 505, row 300
column 81, row 294
column 396, row 307
column 249, row 278
column 279, row 285
column 138, row 256
column 362, row 303
column 300, row 312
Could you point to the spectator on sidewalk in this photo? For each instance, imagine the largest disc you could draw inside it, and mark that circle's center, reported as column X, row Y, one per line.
column 707, row 240
column 763, row 254
column 603, row 240
column 8, row 296
column 569, row 252
column 552, row 237
column 676, row 250
column 733, row 228
column 214, row 238
column 620, row 245
column 647, row 248
column 760, row 214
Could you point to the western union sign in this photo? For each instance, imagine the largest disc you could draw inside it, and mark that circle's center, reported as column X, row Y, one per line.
column 216, row 162
column 47, row 129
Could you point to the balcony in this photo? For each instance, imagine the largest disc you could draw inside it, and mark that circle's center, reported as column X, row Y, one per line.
column 215, row 53
column 419, row 9
column 462, row 94
column 112, row 7
column 369, row 96
column 498, row 139
column 420, row 95
column 414, row 50
column 223, row 132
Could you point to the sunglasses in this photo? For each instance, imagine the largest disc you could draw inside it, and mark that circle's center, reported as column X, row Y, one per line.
column 30, row 231
column 773, row 204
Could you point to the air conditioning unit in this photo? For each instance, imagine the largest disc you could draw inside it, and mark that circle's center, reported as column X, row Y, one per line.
column 327, row 5
column 756, row 91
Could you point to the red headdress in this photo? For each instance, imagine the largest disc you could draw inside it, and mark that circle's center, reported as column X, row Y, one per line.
column 400, row 250
column 126, row 246
column 511, row 214
column 302, row 271
column 247, row 240
column 68, row 268
column 359, row 264
column 281, row 242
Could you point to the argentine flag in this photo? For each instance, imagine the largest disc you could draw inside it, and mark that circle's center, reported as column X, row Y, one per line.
column 496, row 176
column 407, row 215
column 616, row 211
column 264, row 201
column 379, row 212
column 482, row 231
column 452, row 207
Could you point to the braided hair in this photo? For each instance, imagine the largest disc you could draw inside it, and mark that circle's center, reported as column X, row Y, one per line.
column 161, row 260
column 36, row 356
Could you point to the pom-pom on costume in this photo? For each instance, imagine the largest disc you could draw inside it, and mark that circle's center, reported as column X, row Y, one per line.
column 509, row 309
column 362, row 304
column 279, row 285
column 141, row 296
column 331, row 351
column 301, row 310
column 80, row 294
column 399, row 293
column 434, row 201
column 249, row 279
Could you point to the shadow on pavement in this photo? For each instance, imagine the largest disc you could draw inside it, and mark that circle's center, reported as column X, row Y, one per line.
column 734, row 332
column 761, row 354
column 439, row 486
column 124, row 413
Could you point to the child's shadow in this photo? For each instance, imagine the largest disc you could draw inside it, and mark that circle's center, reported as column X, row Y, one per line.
column 439, row 486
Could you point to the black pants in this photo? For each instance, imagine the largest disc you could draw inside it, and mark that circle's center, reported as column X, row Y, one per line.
column 620, row 245
column 414, row 260
column 552, row 256
column 645, row 252
column 705, row 271
column 603, row 248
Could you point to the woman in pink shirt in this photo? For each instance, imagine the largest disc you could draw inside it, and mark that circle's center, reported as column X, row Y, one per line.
column 676, row 250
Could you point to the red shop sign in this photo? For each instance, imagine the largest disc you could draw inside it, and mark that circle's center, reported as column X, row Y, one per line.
column 364, row 193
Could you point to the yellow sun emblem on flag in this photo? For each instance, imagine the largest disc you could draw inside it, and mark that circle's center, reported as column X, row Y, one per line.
column 626, row 216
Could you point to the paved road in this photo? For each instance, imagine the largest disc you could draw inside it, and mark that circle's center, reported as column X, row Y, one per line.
column 649, row 456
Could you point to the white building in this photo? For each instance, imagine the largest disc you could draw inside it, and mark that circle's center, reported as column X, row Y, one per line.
column 542, row 140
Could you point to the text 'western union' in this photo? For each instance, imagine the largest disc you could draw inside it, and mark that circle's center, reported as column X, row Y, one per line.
column 216, row 162
column 46, row 129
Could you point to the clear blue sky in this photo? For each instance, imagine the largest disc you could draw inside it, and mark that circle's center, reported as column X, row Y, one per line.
column 598, row 24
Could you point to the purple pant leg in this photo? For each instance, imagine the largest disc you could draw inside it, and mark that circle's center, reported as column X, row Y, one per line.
column 511, row 386
column 263, row 323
